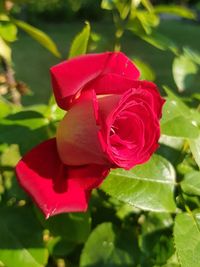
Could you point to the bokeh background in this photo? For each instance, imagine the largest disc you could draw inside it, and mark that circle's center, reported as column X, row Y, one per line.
column 146, row 217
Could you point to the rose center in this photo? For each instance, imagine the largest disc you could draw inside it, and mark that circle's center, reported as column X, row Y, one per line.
column 125, row 133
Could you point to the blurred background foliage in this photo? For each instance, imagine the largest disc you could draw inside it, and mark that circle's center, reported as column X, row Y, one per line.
column 153, row 219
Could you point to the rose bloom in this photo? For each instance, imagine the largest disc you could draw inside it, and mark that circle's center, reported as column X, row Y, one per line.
column 112, row 121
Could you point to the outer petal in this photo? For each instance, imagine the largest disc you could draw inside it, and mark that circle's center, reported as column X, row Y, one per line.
column 55, row 187
column 77, row 134
column 116, row 84
column 69, row 77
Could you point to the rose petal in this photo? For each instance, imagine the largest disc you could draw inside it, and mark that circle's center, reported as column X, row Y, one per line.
column 117, row 84
column 129, row 129
column 77, row 134
column 111, row 84
column 89, row 176
column 158, row 101
column 55, row 187
column 69, row 77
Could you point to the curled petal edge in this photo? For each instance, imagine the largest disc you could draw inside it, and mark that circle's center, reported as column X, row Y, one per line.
column 70, row 77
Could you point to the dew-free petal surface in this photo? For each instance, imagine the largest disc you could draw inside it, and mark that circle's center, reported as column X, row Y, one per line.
column 77, row 134
column 55, row 187
column 69, row 77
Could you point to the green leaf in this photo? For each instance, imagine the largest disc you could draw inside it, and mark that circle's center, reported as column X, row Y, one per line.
column 75, row 4
column 180, row 105
column 59, row 247
column 4, row 17
column 180, row 127
column 191, row 183
column 146, row 71
column 177, row 10
column 8, row 160
column 107, row 246
column 39, row 108
column 157, row 247
column 135, row 3
column 177, row 119
column 5, row 51
column 5, row 108
column 134, row 25
column 187, row 239
column 53, row 112
column 154, row 221
column 147, row 4
column 73, row 227
column 171, row 262
column 147, row 20
column 11, row 156
column 80, row 42
column 184, row 71
column 171, row 141
column 123, row 8
column 21, row 239
column 107, row 4
column 25, row 128
column 8, row 31
column 39, row 36
column 160, row 41
column 195, row 148
column 141, row 22
column 148, row 186
column 29, row 119
column 196, row 96
column 192, row 54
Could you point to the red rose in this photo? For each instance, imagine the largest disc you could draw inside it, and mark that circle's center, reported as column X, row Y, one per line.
column 112, row 121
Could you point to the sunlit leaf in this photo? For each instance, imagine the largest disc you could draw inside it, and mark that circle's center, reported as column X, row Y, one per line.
column 107, row 4
column 180, row 126
column 177, row 119
column 195, row 148
column 39, row 36
column 11, row 156
column 72, row 227
column 191, row 183
column 177, row 10
column 26, row 128
column 21, row 239
column 147, row 72
column 148, row 186
column 80, row 42
column 157, row 247
column 5, row 51
column 160, row 41
column 147, row 4
column 147, row 20
column 5, row 108
column 109, row 246
column 123, row 8
column 184, row 71
column 8, row 31
column 187, row 239
column 192, row 54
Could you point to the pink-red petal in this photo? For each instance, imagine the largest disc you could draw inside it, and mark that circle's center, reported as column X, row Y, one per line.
column 55, row 187
column 77, row 134
column 69, row 77
column 117, row 84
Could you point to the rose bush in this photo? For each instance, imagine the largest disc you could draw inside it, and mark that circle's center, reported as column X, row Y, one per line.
column 112, row 121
